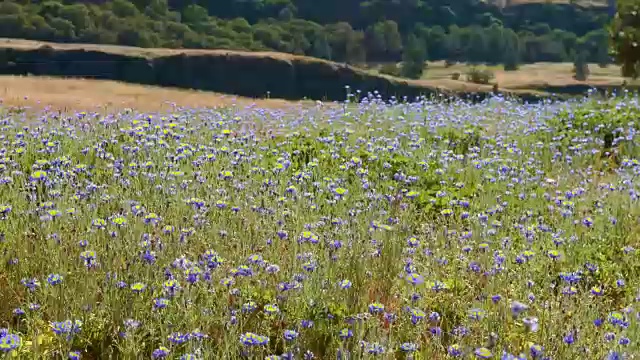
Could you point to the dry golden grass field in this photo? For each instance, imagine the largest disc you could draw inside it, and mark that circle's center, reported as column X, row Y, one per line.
column 146, row 52
column 532, row 76
column 110, row 95
column 103, row 95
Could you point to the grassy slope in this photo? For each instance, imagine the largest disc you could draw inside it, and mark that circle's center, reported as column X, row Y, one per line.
column 107, row 96
column 533, row 76
column 529, row 77
column 427, row 84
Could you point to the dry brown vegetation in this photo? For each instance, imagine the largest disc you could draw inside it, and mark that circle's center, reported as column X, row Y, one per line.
column 103, row 95
column 531, row 79
column 146, row 52
column 528, row 77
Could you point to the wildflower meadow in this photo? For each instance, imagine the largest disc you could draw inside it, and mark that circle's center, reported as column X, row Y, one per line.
column 360, row 230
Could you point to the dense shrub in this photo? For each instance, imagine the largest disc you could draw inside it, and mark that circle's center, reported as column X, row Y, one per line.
column 390, row 69
column 479, row 75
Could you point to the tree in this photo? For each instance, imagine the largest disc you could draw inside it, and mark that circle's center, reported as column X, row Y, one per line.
column 477, row 46
column 602, row 55
column 124, row 9
column 321, row 48
column 392, row 38
column 495, row 36
column 511, row 50
column 355, row 50
column 300, row 44
column 453, row 45
column 194, row 15
column 78, row 15
column 374, row 41
column 511, row 58
column 624, row 33
column 157, row 9
column 63, row 29
column 383, row 40
column 580, row 65
column 413, row 58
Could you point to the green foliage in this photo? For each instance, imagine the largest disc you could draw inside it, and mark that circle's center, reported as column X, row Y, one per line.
column 604, row 121
column 391, row 69
column 624, row 33
column 580, row 66
column 413, row 59
column 347, row 31
column 398, row 224
column 511, row 51
column 479, row 75
column 321, row 48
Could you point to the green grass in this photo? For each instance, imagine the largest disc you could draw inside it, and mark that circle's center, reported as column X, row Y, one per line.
column 269, row 220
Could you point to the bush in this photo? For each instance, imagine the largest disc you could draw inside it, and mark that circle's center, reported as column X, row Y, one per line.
column 455, row 76
column 390, row 69
column 479, row 76
column 580, row 67
column 414, row 58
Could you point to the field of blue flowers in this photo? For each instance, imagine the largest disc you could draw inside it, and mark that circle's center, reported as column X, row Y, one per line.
column 370, row 230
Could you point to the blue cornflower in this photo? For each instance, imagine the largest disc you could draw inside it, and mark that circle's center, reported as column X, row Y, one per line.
column 536, row 350
column 374, row 349
column 408, row 347
column 454, row 350
column 306, row 324
column 271, row 309
column 251, row 339
column 344, row 284
column 614, row 355
column 67, row 327
column 508, row 356
column 54, row 279
column 570, row 338
column 178, row 338
column 477, row 314
column 417, row 315
column 160, row 303
column 376, row 308
column 345, row 334
column 89, row 258
column 518, row 308
column 188, row 357
column 9, row 342
column 415, row 279
column 31, row 284
column 249, row 307
column 160, row 353
column 290, row 335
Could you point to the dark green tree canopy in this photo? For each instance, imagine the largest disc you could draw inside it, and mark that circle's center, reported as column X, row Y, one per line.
column 352, row 31
column 625, row 37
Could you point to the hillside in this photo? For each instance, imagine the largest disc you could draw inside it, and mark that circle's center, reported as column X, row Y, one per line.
column 36, row 93
column 249, row 74
column 351, row 31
